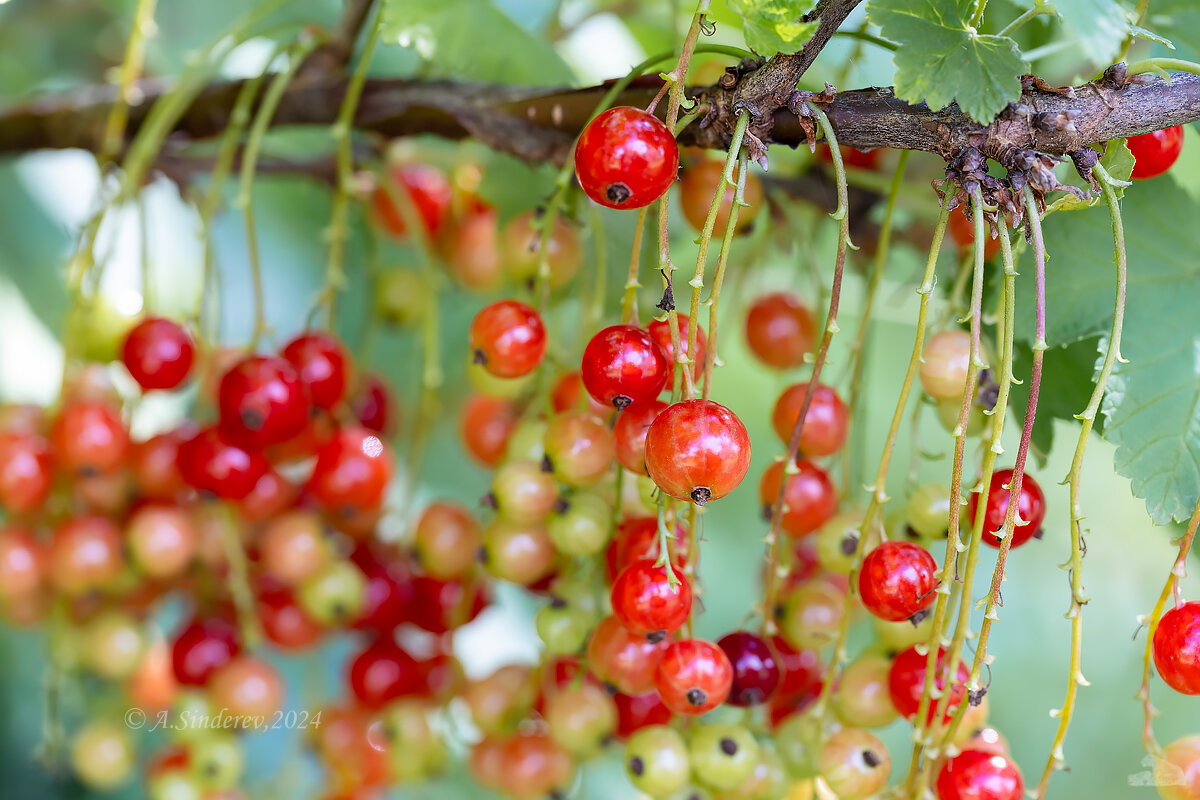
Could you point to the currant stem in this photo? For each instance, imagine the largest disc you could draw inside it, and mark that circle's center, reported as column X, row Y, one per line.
column 711, row 357
column 793, row 448
column 131, row 68
column 238, row 579
column 629, row 305
column 1087, row 419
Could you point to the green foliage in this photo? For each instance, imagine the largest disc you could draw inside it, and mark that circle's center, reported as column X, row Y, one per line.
column 943, row 59
column 1118, row 162
column 472, row 39
column 771, row 26
column 1098, row 27
column 1067, row 380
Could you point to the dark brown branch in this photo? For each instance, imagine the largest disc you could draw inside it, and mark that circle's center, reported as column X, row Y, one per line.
column 540, row 124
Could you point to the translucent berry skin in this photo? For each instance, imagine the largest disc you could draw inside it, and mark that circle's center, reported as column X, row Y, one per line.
column 1177, row 773
column 1154, row 153
column 824, row 425
column 210, row 463
column 623, row 659
column 1031, row 507
column 89, row 438
column 637, row 538
column 623, row 365
column 756, row 674
column 629, row 434
column 810, row 499
column 485, row 425
column 202, row 648
column 1177, row 648
column 906, row 683
column 661, row 331
column 944, row 363
column 26, row 471
column 897, row 580
column 427, row 189
column 979, row 775
column 780, row 330
column 626, row 158
column 262, row 402
column 320, row 361
column 158, row 353
column 383, row 672
column 635, row 712
column 373, row 405
column 694, row 677
column 352, row 472
column 645, row 602
column 508, row 338
column 697, row 450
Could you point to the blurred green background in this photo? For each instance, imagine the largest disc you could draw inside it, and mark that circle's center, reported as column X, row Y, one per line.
column 52, row 45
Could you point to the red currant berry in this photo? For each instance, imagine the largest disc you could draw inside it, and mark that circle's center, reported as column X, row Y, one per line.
column 897, row 580
column 660, row 330
column 568, row 395
column 154, row 464
column 824, row 425
column 697, row 450
column 202, row 648
column 626, row 158
column 485, row 424
column 962, row 230
column 471, row 253
column 262, row 402
column 622, row 365
column 646, row 602
column 1155, row 152
column 809, row 501
column 1031, row 508
column 158, row 353
column 85, row 555
column 508, row 339
column 979, row 775
column 780, row 331
column 383, row 672
column 944, row 364
column 755, row 671
column 693, row 677
column 272, row 495
column 697, row 187
column 800, row 670
column 209, row 463
column 26, row 471
column 320, row 361
column 906, row 683
column 521, row 250
column 284, row 622
column 623, row 659
column 579, row 448
column 442, row 606
column 1177, row 648
column 1177, row 773
column 629, row 434
column 89, row 438
column 373, row 405
column 22, row 563
column 427, row 190
column 389, row 595
column 637, row 538
column 352, row 472
column 635, row 712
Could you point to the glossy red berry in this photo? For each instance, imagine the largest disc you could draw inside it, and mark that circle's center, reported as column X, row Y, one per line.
column 1177, row 648
column 352, row 472
column 629, row 434
column 383, row 672
column 568, row 394
column 697, row 450
column 320, row 361
column 508, row 338
column 755, row 672
column 646, row 602
column 906, row 683
column 623, row 659
column 780, row 331
column 635, row 712
column 637, row 539
column 1154, row 153
column 26, row 471
column 202, row 648
column 800, row 669
column 660, row 330
column 210, row 463
column 623, row 365
column 284, row 622
column 979, row 775
column 693, row 677
column 89, row 438
column 158, row 353
column 373, row 405
column 897, row 580
column 824, row 424
column 427, row 190
column 262, row 402
column 809, row 501
column 442, row 606
column 1031, row 508
column 388, row 596
column 626, row 158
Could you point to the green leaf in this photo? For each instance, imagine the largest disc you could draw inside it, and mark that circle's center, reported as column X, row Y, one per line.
column 1099, row 27
column 472, row 39
column 771, row 26
column 943, row 59
column 1068, row 375
column 1118, row 162
column 1152, row 409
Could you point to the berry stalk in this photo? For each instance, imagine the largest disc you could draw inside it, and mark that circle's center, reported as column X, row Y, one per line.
column 1087, row 419
column 711, row 358
column 131, row 67
column 629, row 307
column 771, row 589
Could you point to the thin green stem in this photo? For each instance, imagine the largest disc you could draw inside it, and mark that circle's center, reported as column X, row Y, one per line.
column 712, row 359
column 1037, row 10
column 869, row 38
column 131, row 67
column 1139, row 14
column 977, row 17
column 629, row 309
column 1161, row 65
column 238, row 580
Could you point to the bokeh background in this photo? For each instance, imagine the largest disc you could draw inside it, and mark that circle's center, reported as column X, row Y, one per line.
column 54, row 45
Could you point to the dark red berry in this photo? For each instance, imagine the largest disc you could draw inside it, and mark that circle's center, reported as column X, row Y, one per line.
column 158, row 353
column 1177, row 648
column 202, row 648
column 262, row 402
column 897, row 580
column 623, row 365
column 780, row 331
column 626, row 158
column 1031, row 508
column 383, row 672
column 210, row 463
column 755, row 672
column 389, row 593
column 320, row 361
column 635, row 712
column 373, row 405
